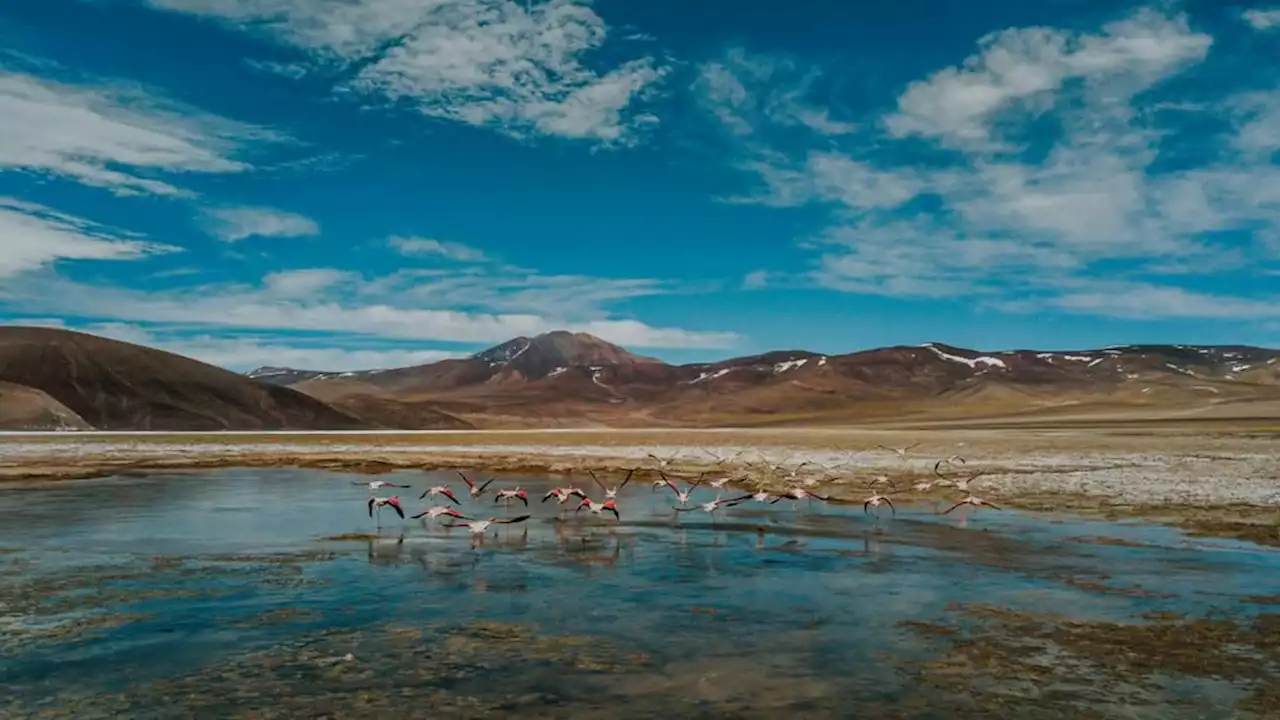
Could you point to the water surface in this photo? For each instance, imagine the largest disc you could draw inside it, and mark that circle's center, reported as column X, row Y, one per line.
column 272, row 593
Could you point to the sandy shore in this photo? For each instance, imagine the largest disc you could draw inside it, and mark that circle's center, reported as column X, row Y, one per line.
column 1213, row 483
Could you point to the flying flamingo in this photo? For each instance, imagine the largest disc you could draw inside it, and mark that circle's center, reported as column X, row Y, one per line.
column 599, row 508
column 440, row 490
column 506, row 496
column 974, row 501
column 900, row 452
column 439, row 510
column 376, row 503
column 711, row 507
column 797, row 493
column 683, row 496
column 612, row 494
column 882, row 479
column 961, row 484
column 478, row 527
column 719, row 483
column 722, row 459
column 375, row 485
column 561, row 494
column 663, row 463
column 875, row 501
column 475, row 490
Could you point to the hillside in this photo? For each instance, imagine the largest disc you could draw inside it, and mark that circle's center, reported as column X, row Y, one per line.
column 24, row 408
column 563, row 378
column 112, row 385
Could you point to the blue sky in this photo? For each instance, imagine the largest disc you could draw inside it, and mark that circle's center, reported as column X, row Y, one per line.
column 341, row 184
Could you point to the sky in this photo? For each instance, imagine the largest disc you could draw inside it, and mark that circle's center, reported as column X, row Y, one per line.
column 350, row 184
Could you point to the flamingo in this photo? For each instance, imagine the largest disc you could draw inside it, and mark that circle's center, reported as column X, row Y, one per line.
column 719, row 483
column 711, row 507
column 599, row 508
column 561, row 494
column 506, row 496
column 722, row 459
column 974, row 501
column 477, row 527
column 797, row 493
column 961, row 484
column 439, row 510
column 440, row 490
column 662, row 464
column 475, row 490
column 882, row 479
column 375, row 485
column 683, row 496
column 377, row 503
column 612, row 494
column 900, row 452
column 875, row 501
column 762, row 497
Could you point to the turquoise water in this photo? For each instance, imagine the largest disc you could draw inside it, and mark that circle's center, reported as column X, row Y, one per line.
column 121, row 593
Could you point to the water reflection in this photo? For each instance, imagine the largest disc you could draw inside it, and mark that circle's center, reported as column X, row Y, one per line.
column 171, row 583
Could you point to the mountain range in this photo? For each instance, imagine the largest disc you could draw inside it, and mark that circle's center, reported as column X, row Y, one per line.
column 52, row 378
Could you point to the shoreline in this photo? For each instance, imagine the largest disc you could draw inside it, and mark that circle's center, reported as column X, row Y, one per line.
column 1224, row 485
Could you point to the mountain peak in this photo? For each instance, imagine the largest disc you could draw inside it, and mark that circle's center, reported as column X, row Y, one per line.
column 540, row 355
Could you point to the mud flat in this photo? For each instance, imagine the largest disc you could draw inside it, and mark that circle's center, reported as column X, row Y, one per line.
column 1220, row 482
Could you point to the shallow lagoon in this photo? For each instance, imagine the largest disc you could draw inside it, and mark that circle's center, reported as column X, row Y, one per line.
column 236, row 593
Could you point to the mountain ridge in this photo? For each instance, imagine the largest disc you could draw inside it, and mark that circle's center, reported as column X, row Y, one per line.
column 782, row 385
column 60, row 379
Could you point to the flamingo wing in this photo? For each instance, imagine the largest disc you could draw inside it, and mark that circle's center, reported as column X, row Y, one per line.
column 596, row 479
column 627, row 479
column 371, row 501
column 399, row 510
column 953, row 507
column 466, row 479
column 486, row 484
column 504, row 521
column 697, row 482
column 892, row 510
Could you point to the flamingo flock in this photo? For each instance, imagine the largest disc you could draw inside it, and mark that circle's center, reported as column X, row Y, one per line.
column 796, row 488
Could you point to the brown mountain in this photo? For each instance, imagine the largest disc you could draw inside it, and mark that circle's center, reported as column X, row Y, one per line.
column 112, row 385
column 24, row 408
column 62, row 379
column 567, row 379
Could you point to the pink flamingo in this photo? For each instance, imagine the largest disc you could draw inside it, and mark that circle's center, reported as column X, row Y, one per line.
column 377, row 503
column 440, row 490
column 598, row 508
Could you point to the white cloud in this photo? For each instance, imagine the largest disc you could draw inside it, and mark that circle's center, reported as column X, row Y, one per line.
column 302, row 284
column 413, row 246
column 246, row 353
column 118, row 137
column 1142, row 301
column 1046, row 157
column 33, row 236
column 1024, row 69
column 748, row 93
column 237, row 223
column 1262, row 19
column 756, row 280
column 516, row 66
column 472, row 307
